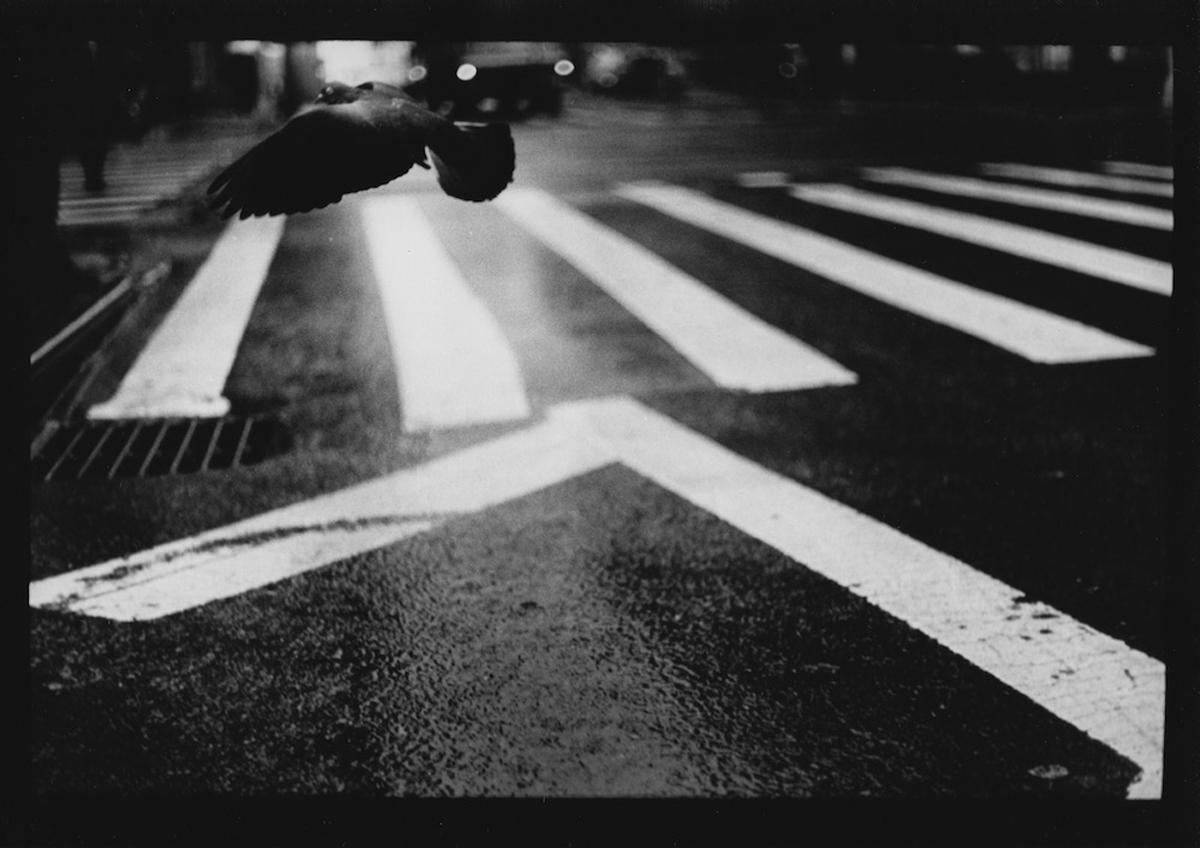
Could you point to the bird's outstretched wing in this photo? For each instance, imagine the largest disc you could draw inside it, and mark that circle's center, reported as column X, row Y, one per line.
column 312, row 161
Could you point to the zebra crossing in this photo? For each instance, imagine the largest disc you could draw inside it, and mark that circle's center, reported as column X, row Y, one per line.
column 139, row 178
column 457, row 366
column 1029, row 332
column 1078, row 204
column 1079, row 179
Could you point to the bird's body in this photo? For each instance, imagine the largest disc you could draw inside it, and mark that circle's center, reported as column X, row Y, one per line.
column 355, row 138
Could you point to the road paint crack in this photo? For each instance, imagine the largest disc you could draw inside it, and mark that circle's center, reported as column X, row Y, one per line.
column 1103, row 687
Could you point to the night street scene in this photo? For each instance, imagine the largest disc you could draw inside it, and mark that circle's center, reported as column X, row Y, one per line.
column 617, row 420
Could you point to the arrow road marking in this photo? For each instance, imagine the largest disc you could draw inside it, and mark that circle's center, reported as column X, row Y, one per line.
column 1100, row 685
column 228, row 561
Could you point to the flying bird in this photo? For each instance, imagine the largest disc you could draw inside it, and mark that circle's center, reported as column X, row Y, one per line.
column 356, row 138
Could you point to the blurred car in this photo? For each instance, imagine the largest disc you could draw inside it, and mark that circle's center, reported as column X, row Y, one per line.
column 507, row 77
column 635, row 70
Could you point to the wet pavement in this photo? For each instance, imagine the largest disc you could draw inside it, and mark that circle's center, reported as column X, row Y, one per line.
column 604, row 634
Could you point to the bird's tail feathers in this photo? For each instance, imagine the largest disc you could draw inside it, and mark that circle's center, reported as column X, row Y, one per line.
column 474, row 161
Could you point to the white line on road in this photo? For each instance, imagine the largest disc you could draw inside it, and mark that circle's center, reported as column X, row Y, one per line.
column 1077, row 179
column 140, row 173
column 1140, row 169
column 735, row 349
column 101, row 218
column 88, row 204
column 1095, row 260
column 454, row 365
column 764, row 179
column 1058, row 201
column 93, row 216
column 228, row 561
column 1102, row 686
column 183, row 368
column 1029, row 332
column 115, row 188
column 119, row 189
column 67, row 215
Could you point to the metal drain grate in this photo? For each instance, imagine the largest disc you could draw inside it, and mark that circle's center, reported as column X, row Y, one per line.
column 111, row 449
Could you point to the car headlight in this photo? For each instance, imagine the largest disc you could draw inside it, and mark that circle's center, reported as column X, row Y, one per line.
column 564, row 67
column 466, row 72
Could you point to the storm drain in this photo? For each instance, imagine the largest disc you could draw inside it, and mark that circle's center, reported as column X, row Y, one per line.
column 107, row 450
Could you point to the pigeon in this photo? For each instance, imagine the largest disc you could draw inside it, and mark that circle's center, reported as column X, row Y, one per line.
column 355, row 138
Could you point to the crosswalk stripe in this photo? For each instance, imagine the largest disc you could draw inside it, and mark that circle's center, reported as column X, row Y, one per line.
column 735, row 349
column 137, row 176
column 133, row 182
column 1077, row 179
column 454, row 365
column 139, row 168
column 1061, row 251
column 1139, row 169
column 181, row 371
column 763, row 179
column 1077, row 204
column 227, row 561
column 132, row 185
column 88, row 203
column 102, row 213
column 1025, row 330
column 103, row 218
column 1099, row 684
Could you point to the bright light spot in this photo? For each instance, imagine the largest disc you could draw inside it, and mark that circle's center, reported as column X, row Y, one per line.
column 466, row 72
column 564, row 67
column 243, row 48
column 345, row 61
column 417, row 73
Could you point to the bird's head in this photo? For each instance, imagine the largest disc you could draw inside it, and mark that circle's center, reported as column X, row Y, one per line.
column 338, row 92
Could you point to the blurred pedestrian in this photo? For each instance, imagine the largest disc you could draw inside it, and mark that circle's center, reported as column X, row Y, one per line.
column 94, row 118
column 59, row 111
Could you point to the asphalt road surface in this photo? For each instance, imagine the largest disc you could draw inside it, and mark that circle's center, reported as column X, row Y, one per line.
column 737, row 450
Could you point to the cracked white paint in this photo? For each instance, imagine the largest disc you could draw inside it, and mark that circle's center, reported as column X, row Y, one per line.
column 1116, row 695
column 1100, row 685
column 266, row 548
